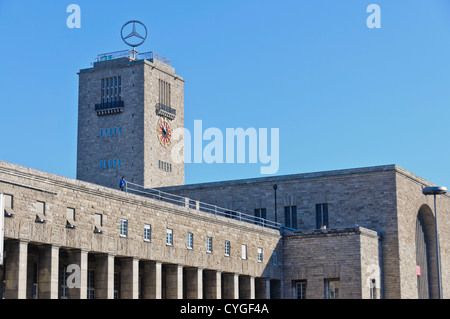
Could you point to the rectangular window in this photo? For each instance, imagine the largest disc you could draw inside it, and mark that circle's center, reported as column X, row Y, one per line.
column 169, row 237
column 70, row 213
column 300, row 289
column 63, row 276
column 260, row 255
column 274, row 258
column 8, row 199
column 244, row 252
column 111, row 89
column 290, row 216
column 114, row 163
column 190, row 241
column 260, row 216
column 147, row 232
column 321, row 216
column 332, row 288
column 119, row 163
column 209, row 246
column 98, row 220
column 164, row 92
column 123, row 228
column 227, row 248
column 40, row 208
column 116, row 285
column 90, row 284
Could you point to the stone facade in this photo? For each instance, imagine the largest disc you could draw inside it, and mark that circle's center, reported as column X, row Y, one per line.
column 128, row 255
column 133, row 138
column 384, row 199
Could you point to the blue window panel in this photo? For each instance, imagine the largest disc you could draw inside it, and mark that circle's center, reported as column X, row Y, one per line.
column 120, row 163
column 101, row 164
column 101, row 133
column 105, row 164
column 115, row 131
column 110, row 132
column 114, row 163
column 106, row 132
column 110, row 163
column 120, row 130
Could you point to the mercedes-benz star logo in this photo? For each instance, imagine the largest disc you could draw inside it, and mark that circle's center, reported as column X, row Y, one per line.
column 134, row 34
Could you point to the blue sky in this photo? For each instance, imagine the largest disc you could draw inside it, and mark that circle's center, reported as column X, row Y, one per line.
column 342, row 95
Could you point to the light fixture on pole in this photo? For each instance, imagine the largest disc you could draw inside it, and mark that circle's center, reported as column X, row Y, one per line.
column 436, row 190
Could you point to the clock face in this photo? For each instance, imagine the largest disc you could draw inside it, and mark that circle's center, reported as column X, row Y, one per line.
column 164, row 132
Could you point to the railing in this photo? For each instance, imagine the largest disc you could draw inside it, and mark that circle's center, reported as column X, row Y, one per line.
column 197, row 205
column 134, row 55
column 166, row 111
column 109, row 105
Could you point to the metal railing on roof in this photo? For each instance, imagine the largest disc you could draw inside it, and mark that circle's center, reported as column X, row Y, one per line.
column 197, row 205
column 134, row 55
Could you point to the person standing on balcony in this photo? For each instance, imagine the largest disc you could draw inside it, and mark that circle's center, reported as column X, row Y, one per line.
column 122, row 183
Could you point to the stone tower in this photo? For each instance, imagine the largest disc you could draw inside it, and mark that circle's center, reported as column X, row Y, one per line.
column 128, row 108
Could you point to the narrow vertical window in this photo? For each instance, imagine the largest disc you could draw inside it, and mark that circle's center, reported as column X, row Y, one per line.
column 90, row 285
column 260, row 216
column 274, row 258
column 227, row 248
column 123, row 228
column 244, row 252
column 209, row 245
column 190, row 241
column 260, row 255
column 300, row 289
column 98, row 220
column 147, row 232
column 322, row 216
column 332, row 288
column 290, row 213
column 169, row 237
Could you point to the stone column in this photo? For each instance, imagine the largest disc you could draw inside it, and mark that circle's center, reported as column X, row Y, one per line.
column 152, row 281
column 16, row 270
column 78, row 277
column 213, row 284
column 193, row 278
column 129, row 281
column 104, row 276
column 174, row 282
column 230, row 285
column 48, row 272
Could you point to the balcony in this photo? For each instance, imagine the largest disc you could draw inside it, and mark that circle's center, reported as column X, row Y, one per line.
column 109, row 108
column 166, row 111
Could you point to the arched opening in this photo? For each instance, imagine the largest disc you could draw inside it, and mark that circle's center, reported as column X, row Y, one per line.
column 426, row 257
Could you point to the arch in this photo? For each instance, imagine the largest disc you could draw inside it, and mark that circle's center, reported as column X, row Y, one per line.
column 426, row 257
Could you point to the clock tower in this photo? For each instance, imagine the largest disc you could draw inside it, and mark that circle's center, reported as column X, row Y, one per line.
column 128, row 108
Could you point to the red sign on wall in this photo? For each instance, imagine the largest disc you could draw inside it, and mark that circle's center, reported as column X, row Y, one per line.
column 418, row 271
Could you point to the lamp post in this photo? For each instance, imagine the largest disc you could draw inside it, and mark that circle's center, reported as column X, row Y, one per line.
column 436, row 190
column 275, row 190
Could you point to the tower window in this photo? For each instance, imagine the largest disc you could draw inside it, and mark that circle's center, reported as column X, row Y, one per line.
column 164, row 92
column 290, row 213
column 321, row 216
column 111, row 89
